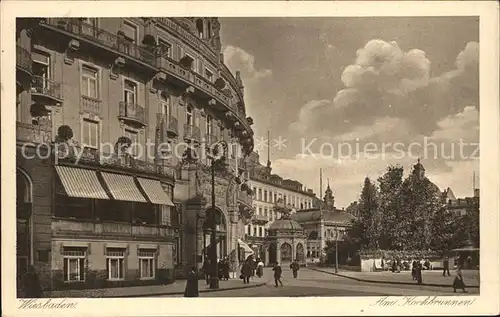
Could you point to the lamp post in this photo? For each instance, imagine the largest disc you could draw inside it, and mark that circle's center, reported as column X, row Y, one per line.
column 215, row 162
column 336, row 249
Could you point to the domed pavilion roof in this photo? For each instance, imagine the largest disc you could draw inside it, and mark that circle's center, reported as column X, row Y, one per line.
column 285, row 224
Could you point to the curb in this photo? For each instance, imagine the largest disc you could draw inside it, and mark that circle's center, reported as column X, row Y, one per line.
column 182, row 292
column 386, row 282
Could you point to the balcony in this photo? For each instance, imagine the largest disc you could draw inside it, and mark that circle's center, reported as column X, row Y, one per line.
column 90, row 105
column 260, row 219
column 192, row 133
column 46, row 91
column 245, row 199
column 24, row 65
column 171, row 125
column 132, row 113
column 101, row 38
column 26, row 132
column 90, row 228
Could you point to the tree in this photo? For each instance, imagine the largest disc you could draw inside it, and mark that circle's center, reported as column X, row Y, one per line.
column 390, row 203
column 444, row 229
column 365, row 225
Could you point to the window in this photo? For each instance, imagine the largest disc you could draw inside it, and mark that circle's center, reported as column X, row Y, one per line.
column 89, row 82
column 199, row 27
column 132, row 135
column 248, row 229
column 90, row 133
column 178, row 251
column 209, row 125
column 260, row 194
column 265, row 232
column 130, row 31
column 222, row 132
column 74, row 264
column 265, row 212
column 115, row 261
column 209, row 75
column 255, row 231
column 265, row 195
column 194, row 63
column 165, row 105
column 41, row 64
column 147, row 264
column 254, row 193
column 165, row 48
column 260, row 231
column 130, row 92
column 189, row 115
column 275, row 197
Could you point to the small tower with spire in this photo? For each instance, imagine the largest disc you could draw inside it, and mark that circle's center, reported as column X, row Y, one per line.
column 329, row 199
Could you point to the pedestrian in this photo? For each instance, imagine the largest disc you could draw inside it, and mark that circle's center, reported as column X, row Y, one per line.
column 419, row 273
column 192, row 284
column 446, row 266
column 414, row 270
column 226, row 269
column 295, row 268
column 260, row 268
column 31, row 284
column 246, row 272
column 458, row 282
column 277, row 274
column 206, row 270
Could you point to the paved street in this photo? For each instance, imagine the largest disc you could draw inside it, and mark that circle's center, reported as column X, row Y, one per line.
column 313, row 283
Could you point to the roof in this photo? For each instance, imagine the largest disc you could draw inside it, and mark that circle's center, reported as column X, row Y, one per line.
column 315, row 215
column 285, row 224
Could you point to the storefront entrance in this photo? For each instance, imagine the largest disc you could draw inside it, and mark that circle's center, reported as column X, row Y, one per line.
column 221, row 245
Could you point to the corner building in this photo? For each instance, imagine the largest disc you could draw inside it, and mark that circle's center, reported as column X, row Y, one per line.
column 91, row 215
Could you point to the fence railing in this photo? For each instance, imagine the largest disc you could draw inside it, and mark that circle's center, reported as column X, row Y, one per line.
column 46, row 87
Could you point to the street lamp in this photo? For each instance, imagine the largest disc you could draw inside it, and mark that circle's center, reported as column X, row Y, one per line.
column 336, row 249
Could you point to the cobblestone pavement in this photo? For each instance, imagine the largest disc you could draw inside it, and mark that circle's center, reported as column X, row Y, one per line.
column 314, row 283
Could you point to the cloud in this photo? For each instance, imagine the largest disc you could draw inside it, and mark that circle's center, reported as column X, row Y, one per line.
column 461, row 126
column 238, row 59
column 385, row 81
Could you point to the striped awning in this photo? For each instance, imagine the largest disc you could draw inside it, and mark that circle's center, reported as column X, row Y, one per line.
column 122, row 187
column 81, row 183
column 155, row 192
column 246, row 247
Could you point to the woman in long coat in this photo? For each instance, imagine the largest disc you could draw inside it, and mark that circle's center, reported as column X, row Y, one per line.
column 192, row 284
column 246, row 272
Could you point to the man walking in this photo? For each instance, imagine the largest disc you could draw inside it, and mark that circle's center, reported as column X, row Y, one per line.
column 295, row 268
column 277, row 274
column 246, row 272
column 446, row 266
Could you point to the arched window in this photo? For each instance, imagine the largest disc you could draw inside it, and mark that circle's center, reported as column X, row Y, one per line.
column 199, row 27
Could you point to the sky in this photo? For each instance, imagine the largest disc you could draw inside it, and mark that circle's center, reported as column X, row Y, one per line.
column 353, row 95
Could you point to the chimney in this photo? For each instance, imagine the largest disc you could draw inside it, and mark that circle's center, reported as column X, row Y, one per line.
column 221, row 58
column 476, row 192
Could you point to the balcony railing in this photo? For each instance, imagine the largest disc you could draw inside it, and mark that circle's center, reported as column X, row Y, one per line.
column 27, row 132
column 94, row 34
column 260, row 219
column 95, row 228
column 132, row 112
column 23, row 59
column 192, row 133
column 47, row 88
column 170, row 125
column 90, row 105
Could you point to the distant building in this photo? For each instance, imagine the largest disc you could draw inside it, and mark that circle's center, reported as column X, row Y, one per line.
column 267, row 189
column 460, row 206
column 322, row 224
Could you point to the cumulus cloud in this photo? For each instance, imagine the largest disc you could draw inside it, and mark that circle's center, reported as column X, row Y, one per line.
column 238, row 59
column 385, row 81
column 461, row 126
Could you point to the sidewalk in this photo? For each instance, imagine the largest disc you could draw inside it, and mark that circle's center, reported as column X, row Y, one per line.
column 176, row 288
column 430, row 278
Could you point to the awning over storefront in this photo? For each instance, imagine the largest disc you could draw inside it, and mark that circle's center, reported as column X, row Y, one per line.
column 155, row 192
column 122, row 187
column 81, row 183
column 246, row 247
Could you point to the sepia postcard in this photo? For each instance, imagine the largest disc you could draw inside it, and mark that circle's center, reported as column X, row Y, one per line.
column 250, row 158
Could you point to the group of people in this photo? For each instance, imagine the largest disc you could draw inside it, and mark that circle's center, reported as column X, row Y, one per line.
column 250, row 268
